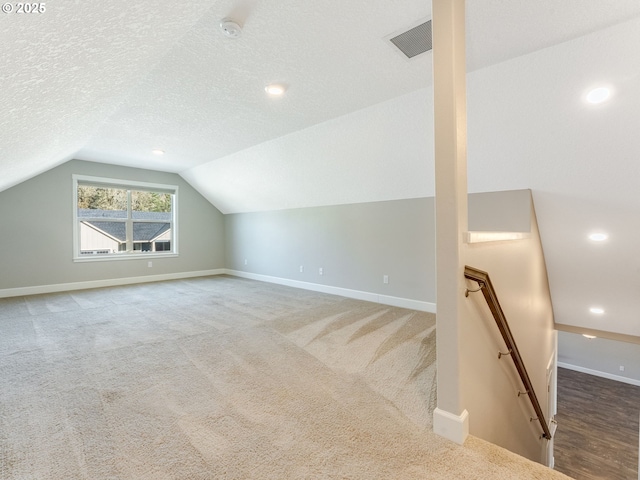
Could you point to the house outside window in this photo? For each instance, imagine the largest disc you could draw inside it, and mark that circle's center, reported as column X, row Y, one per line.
column 119, row 219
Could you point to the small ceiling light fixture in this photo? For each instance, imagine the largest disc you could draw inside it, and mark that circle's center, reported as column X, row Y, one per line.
column 598, row 237
column 157, row 151
column 229, row 28
column 275, row 89
column 598, row 95
column 590, row 337
column 597, row 310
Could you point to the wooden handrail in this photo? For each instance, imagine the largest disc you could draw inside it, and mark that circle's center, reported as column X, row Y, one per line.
column 484, row 282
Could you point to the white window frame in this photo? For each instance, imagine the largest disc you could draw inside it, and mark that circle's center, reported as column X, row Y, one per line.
column 125, row 185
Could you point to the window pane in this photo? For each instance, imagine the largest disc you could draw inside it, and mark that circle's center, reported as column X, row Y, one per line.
column 99, row 238
column 151, row 236
column 162, row 246
column 101, row 202
column 151, row 205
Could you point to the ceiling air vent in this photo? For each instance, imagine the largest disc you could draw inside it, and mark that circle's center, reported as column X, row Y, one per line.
column 414, row 41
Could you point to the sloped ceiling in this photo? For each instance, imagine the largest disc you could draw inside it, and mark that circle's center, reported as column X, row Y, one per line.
column 110, row 81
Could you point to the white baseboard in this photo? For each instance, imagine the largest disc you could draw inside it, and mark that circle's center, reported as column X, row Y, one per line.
column 111, row 282
column 598, row 373
column 451, row 426
column 344, row 292
column 316, row 287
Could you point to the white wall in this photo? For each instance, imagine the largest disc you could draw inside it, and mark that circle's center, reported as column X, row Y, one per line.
column 518, row 273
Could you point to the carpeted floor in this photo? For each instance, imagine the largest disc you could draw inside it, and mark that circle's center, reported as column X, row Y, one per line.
column 225, row 378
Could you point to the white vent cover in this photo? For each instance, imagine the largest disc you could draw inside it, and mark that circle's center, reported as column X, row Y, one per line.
column 414, row 41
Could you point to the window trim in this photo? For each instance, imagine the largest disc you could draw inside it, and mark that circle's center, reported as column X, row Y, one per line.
column 129, row 185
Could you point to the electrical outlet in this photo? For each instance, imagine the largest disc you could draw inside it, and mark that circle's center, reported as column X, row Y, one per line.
column 320, row 271
column 385, row 279
column 149, row 264
column 245, row 261
column 622, row 368
column 301, row 268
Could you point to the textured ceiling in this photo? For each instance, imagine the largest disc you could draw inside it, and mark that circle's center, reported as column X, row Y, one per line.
column 65, row 71
column 206, row 99
column 109, row 81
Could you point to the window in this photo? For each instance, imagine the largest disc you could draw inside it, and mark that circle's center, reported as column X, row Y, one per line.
column 123, row 219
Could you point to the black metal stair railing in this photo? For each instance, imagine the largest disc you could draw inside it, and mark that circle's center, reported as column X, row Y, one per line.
column 484, row 284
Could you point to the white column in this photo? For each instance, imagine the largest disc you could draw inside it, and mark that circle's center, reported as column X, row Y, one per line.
column 449, row 92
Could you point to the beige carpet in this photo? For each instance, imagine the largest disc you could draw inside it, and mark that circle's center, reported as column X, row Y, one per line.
column 225, row 378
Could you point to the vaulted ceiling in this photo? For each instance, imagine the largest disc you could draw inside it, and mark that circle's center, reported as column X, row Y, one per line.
column 110, row 81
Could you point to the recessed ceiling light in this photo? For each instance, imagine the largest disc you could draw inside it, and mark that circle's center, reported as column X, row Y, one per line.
column 157, row 151
column 590, row 337
column 275, row 89
column 598, row 237
column 598, row 95
column 597, row 310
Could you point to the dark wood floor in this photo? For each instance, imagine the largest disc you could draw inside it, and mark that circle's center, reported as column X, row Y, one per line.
column 597, row 435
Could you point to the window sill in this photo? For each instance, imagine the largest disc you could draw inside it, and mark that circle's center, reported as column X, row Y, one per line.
column 124, row 256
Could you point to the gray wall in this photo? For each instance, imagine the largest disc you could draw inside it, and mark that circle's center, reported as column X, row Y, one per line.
column 359, row 243
column 600, row 355
column 354, row 244
column 36, row 245
column 507, row 211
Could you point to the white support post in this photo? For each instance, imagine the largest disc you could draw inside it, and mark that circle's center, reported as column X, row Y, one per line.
column 450, row 120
